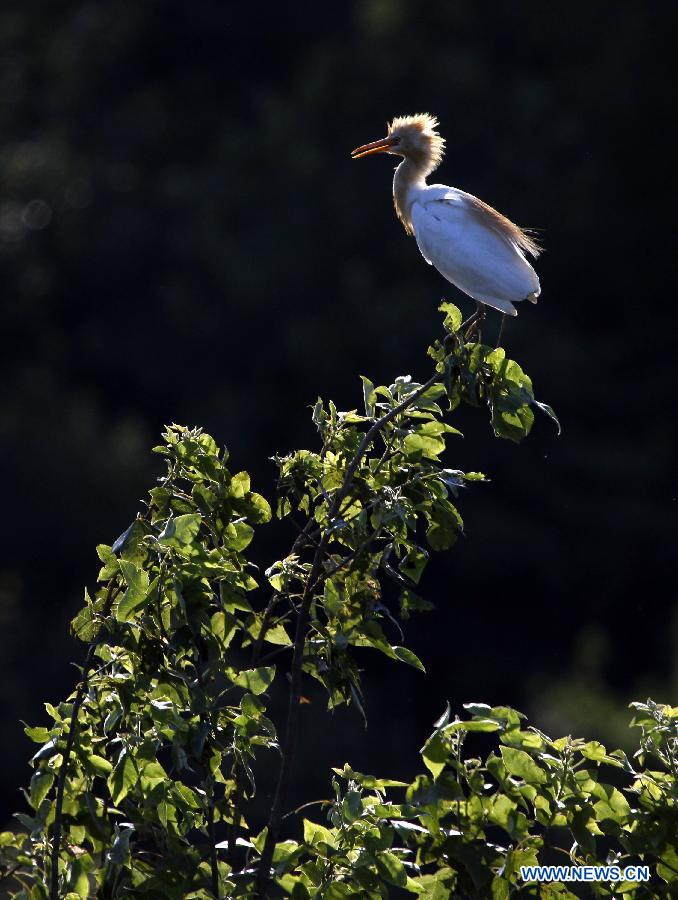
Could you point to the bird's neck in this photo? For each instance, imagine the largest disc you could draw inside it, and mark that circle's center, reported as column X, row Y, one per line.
column 408, row 178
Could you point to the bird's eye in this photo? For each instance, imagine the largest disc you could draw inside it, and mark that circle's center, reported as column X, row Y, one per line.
column 396, row 140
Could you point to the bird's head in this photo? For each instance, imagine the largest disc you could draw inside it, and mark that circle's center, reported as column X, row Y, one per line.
column 413, row 137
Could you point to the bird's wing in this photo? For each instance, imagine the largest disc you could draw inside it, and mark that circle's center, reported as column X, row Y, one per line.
column 473, row 248
column 485, row 215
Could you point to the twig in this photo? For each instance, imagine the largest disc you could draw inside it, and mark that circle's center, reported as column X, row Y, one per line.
column 209, row 781
column 303, row 535
column 337, row 567
column 113, row 592
column 237, row 814
column 266, row 618
column 10, row 871
column 295, row 812
column 214, row 867
column 264, row 660
column 315, row 575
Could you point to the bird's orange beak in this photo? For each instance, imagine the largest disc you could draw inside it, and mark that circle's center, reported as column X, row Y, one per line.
column 380, row 146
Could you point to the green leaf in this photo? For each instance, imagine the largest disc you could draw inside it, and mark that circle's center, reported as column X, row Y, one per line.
column 254, row 680
column 151, row 775
column 613, row 804
column 314, row 834
column 185, row 796
column 667, row 865
column 240, row 485
column 453, row 318
column 407, row 656
column 369, row 397
column 524, row 740
column 578, row 822
column 109, row 559
column 502, row 809
column 180, row 530
column 84, row 625
column 435, row 752
column 251, row 706
column 545, row 408
column 122, row 778
column 478, row 709
column 521, row 765
column 99, row 765
column 594, row 750
column 430, row 887
column 277, row 635
column 501, row 889
column 335, row 891
column 38, row 734
column 391, row 868
column 41, row 782
column 446, row 523
column 331, row 598
column 258, row 508
column 238, row 536
column 514, row 424
column 352, row 806
column 137, row 590
column 223, row 628
column 411, row 602
column 9, row 839
column 414, row 564
column 428, row 445
column 481, row 725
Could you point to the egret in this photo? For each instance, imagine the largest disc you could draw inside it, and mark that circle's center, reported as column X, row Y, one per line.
column 471, row 244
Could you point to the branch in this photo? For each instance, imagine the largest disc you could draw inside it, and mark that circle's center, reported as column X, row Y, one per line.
column 214, row 866
column 209, row 780
column 237, row 813
column 73, row 729
column 315, row 576
column 295, row 812
column 265, row 619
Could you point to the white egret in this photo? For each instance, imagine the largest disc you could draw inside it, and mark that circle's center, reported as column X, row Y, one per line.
column 471, row 244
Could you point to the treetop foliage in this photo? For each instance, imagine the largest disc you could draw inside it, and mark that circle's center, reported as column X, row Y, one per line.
column 144, row 778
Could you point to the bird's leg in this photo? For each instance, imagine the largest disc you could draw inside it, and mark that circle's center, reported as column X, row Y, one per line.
column 467, row 323
column 473, row 318
column 473, row 321
column 501, row 329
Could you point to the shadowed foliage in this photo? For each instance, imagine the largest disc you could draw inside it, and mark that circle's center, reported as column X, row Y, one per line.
column 145, row 781
column 183, row 237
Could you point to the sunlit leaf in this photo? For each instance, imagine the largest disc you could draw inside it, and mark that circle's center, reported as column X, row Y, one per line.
column 41, row 782
column 254, row 680
column 180, row 530
column 521, row 764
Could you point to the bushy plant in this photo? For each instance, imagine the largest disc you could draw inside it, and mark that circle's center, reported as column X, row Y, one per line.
column 143, row 780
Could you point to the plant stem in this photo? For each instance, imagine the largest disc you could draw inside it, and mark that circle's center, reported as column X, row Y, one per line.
column 209, row 781
column 295, row 812
column 213, row 845
column 291, row 732
column 315, row 576
column 237, row 812
column 72, row 732
column 266, row 618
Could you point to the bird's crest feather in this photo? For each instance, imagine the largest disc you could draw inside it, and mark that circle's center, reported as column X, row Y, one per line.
column 426, row 126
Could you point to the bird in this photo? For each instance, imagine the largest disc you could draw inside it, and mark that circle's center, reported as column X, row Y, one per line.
column 472, row 245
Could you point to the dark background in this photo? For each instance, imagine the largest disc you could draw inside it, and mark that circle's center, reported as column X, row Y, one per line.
column 183, row 237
